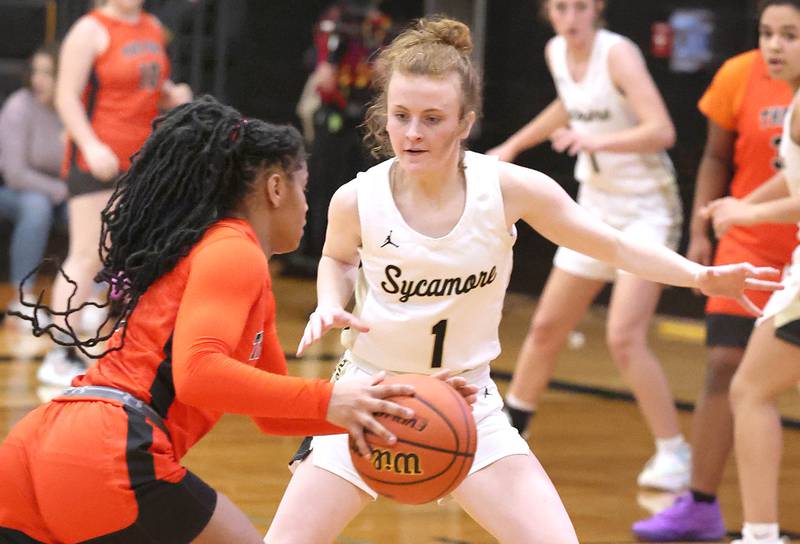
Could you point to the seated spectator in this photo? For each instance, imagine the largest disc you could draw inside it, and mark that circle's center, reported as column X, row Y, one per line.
column 31, row 150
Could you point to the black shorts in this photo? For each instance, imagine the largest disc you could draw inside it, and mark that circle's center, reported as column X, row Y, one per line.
column 790, row 332
column 726, row 330
column 83, row 183
column 10, row 536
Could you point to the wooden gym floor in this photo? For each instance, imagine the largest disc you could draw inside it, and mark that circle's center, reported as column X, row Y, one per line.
column 588, row 434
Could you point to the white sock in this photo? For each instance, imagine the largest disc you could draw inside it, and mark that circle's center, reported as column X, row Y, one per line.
column 760, row 532
column 671, row 445
column 518, row 404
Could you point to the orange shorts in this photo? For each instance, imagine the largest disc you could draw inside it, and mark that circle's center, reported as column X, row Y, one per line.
column 74, row 470
column 730, row 251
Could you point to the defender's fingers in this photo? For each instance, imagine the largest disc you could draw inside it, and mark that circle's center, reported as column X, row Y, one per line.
column 749, row 306
column 765, row 271
column 443, row 374
column 305, row 340
column 762, row 285
column 315, row 325
column 355, row 323
column 301, row 347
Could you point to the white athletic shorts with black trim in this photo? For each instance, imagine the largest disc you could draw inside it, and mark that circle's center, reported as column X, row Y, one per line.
column 496, row 437
column 784, row 305
column 653, row 217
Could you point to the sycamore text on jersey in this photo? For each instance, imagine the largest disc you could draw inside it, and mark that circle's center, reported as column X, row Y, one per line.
column 439, row 287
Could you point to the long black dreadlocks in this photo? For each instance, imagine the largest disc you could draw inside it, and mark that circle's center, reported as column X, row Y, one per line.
column 195, row 168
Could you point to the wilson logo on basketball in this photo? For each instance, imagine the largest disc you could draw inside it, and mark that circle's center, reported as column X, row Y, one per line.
column 397, row 462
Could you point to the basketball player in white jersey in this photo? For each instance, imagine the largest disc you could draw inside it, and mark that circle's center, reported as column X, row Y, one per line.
column 610, row 114
column 432, row 229
column 771, row 363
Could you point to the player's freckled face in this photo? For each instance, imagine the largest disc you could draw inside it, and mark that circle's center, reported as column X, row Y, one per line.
column 424, row 123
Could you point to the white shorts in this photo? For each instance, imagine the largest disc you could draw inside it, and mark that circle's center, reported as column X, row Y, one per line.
column 654, row 217
column 784, row 305
column 496, row 437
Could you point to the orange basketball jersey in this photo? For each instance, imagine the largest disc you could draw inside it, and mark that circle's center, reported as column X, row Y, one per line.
column 200, row 340
column 121, row 97
column 743, row 98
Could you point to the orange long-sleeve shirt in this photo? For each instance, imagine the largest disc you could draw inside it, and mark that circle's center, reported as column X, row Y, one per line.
column 202, row 342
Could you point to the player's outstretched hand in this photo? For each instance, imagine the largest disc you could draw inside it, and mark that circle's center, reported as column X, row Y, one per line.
column 324, row 319
column 731, row 280
column 459, row 383
column 354, row 403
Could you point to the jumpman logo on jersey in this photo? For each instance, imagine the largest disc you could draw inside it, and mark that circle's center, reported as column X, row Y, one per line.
column 389, row 241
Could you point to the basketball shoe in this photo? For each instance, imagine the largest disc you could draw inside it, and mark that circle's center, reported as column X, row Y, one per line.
column 685, row 520
column 668, row 470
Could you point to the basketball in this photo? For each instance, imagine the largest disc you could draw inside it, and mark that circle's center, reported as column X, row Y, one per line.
column 434, row 449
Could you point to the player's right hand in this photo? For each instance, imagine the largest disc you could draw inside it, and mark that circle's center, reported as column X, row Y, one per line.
column 354, row 403
column 103, row 163
column 324, row 319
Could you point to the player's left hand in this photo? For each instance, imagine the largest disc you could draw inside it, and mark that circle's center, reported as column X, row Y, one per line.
column 459, row 383
column 731, row 280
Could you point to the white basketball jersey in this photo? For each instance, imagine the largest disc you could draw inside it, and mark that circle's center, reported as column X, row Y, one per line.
column 596, row 106
column 431, row 303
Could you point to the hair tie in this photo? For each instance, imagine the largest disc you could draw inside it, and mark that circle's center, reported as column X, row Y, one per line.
column 119, row 284
column 241, row 124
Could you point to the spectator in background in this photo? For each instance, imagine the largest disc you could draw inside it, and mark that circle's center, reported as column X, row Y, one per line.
column 346, row 38
column 31, row 149
column 112, row 82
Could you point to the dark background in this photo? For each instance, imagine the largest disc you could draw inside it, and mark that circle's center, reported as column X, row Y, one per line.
column 254, row 55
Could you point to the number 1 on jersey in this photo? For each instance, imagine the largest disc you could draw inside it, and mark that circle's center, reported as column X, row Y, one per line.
column 438, row 331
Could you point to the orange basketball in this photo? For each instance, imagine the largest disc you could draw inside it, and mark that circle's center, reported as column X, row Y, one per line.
column 434, row 449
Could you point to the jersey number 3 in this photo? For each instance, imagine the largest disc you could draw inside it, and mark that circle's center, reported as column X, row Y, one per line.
column 438, row 331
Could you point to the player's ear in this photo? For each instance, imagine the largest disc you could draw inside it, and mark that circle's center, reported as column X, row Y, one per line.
column 273, row 187
column 466, row 124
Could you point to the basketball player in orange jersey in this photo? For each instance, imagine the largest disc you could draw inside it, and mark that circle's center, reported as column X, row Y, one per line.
column 771, row 362
column 433, row 297
column 745, row 109
column 610, row 114
column 186, row 237
column 113, row 79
